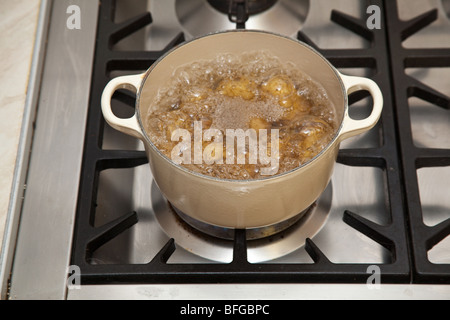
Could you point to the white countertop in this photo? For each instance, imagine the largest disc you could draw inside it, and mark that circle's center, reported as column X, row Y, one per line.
column 18, row 22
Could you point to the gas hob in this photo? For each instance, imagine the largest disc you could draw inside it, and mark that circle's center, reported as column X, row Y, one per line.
column 386, row 211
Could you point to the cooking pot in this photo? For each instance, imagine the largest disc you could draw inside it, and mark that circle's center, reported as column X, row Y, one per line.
column 243, row 204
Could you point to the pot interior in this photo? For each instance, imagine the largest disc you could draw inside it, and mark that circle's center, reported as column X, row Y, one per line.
column 233, row 42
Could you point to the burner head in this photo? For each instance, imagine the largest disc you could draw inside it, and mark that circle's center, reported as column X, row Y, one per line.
column 228, row 234
column 200, row 17
column 253, row 6
column 263, row 244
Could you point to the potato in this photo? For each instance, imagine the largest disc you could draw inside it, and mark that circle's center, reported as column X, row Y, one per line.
column 196, row 94
column 280, row 86
column 175, row 120
column 283, row 88
column 243, row 88
column 206, row 123
column 313, row 132
column 294, row 102
column 258, row 124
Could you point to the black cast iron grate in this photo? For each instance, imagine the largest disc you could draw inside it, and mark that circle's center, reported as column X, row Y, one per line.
column 423, row 237
column 88, row 238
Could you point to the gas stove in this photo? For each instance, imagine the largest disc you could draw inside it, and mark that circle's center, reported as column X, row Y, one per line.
column 92, row 214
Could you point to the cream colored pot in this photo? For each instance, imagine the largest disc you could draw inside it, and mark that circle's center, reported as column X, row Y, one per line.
column 252, row 203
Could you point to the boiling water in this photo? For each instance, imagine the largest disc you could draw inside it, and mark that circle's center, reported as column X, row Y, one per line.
column 255, row 91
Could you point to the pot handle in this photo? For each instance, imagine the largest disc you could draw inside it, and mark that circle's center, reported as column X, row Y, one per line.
column 131, row 125
column 353, row 127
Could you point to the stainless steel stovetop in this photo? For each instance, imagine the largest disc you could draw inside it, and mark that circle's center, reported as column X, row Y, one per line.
column 44, row 251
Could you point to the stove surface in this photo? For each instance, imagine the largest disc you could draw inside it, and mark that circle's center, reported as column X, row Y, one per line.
column 387, row 205
column 351, row 223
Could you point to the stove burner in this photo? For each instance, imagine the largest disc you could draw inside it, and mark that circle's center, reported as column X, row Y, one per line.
column 137, row 241
column 261, row 249
column 200, row 17
column 240, row 10
column 253, row 6
column 228, row 233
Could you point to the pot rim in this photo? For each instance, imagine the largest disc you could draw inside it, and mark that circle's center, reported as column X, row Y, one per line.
column 246, row 181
